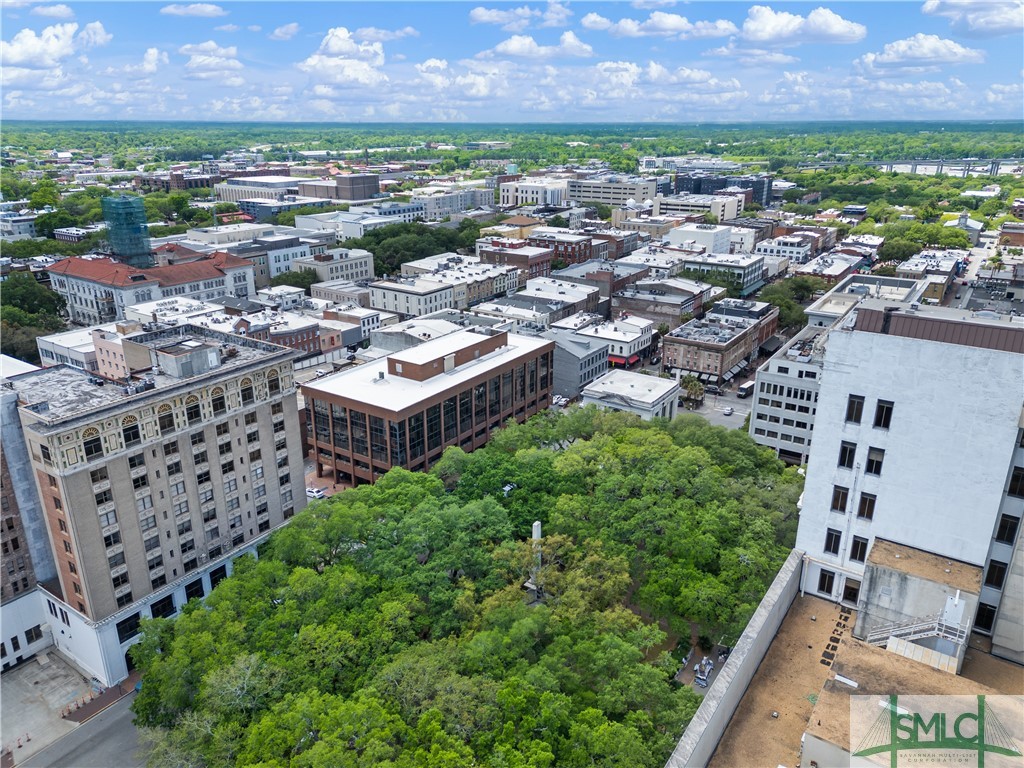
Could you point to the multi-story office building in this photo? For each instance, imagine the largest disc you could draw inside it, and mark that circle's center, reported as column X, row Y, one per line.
column 150, row 490
column 612, row 189
column 915, row 484
column 405, row 409
column 265, row 209
column 793, row 247
column 723, row 343
column 532, row 191
column 397, row 212
column 721, row 207
column 441, row 202
column 338, row 264
column 351, row 186
column 786, row 396
column 267, row 187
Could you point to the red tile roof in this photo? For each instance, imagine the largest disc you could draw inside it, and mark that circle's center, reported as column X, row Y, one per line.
column 105, row 271
column 115, row 274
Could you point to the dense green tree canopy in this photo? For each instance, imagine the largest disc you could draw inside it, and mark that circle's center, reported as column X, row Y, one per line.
column 387, row 626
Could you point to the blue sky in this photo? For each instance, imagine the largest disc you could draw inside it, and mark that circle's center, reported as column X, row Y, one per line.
column 646, row 60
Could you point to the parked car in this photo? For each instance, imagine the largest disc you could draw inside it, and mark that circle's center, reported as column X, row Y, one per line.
column 315, row 493
column 655, row 360
column 713, row 389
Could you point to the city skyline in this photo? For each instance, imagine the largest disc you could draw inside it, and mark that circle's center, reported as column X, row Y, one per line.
column 649, row 60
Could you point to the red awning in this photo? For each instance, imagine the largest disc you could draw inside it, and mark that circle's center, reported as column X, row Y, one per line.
column 633, row 359
column 616, row 360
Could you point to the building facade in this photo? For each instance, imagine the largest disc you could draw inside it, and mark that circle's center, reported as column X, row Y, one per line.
column 127, row 231
column 99, row 290
column 150, row 490
column 649, row 397
column 884, row 466
column 405, row 409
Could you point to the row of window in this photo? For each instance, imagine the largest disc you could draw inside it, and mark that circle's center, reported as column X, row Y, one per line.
column 132, row 433
column 848, row 455
column 855, row 411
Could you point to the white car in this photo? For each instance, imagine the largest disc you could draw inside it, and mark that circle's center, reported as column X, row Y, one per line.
column 727, row 410
column 315, row 493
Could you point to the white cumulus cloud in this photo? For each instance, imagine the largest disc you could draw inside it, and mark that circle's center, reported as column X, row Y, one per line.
column 285, row 32
column 979, row 17
column 525, row 46
column 512, row 20
column 227, row 28
column 752, row 57
column 917, row 54
column 377, row 35
column 764, row 25
column 660, row 24
column 53, row 11
column 55, row 43
column 205, row 10
column 209, row 48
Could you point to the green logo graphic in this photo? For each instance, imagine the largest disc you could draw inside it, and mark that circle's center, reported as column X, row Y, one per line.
column 898, row 730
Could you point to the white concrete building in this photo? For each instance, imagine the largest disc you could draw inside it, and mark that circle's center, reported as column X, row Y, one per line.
column 338, row 264
column 796, row 249
column 440, row 202
column 98, row 290
column 649, row 397
column 532, row 191
column 721, row 207
column 713, row 238
column 17, row 226
column 611, row 189
column 918, row 443
column 628, row 338
column 347, row 225
column 411, row 296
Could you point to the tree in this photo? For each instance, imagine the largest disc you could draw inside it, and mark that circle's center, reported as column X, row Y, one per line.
column 303, row 279
column 558, row 221
column 604, row 211
column 45, row 194
column 23, row 291
column 47, row 222
column 387, row 626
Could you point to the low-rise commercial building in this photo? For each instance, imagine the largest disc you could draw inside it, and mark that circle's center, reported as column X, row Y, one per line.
column 577, row 362
column 607, row 276
column 405, row 409
column 530, row 260
column 723, row 343
column 411, row 296
column 793, row 247
column 712, row 238
column 338, row 264
column 629, row 338
column 649, row 397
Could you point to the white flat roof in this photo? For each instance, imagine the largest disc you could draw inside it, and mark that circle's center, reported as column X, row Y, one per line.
column 637, row 387
column 363, row 383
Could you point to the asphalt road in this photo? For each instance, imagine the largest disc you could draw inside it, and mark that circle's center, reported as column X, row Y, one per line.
column 109, row 740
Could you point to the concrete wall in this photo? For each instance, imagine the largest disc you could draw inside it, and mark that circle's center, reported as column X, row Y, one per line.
column 701, row 737
column 821, row 753
column 888, row 596
column 19, row 466
column 17, row 616
column 1007, row 635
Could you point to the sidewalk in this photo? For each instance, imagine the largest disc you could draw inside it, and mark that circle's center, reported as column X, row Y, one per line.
column 102, row 701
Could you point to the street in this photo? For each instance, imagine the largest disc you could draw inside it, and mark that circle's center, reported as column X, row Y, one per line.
column 109, row 740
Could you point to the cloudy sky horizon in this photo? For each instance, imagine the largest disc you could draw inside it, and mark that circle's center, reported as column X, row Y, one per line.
column 520, row 62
